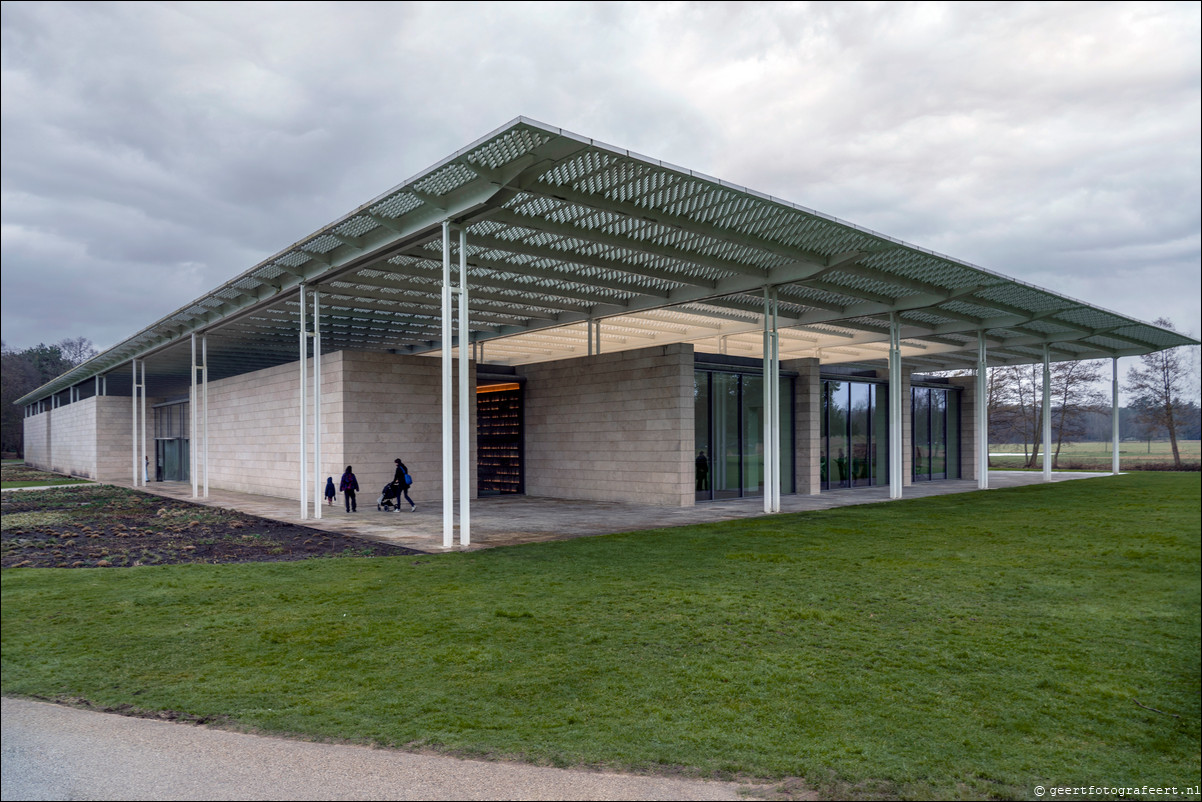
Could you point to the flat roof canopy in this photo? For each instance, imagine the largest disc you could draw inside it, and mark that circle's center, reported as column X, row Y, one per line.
column 563, row 230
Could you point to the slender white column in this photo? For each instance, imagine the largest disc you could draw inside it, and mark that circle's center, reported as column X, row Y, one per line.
column 204, row 395
column 776, row 445
column 982, row 414
column 1047, row 417
column 896, row 463
column 193, row 411
column 465, row 473
column 303, row 351
column 133, row 426
column 142, row 469
column 317, row 486
column 767, row 380
column 448, row 469
column 1114, row 415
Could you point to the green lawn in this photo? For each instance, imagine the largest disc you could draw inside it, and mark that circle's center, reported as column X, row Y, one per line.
column 966, row 646
column 1097, row 455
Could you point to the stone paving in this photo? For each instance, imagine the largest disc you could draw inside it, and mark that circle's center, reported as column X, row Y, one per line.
column 512, row 520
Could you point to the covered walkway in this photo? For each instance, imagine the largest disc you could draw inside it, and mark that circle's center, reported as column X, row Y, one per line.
column 513, row 520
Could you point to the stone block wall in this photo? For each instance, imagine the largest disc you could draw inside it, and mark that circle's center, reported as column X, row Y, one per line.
column 73, row 439
column 89, row 438
column 254, row 430
column 37, row 440
column 114, row 451
column 392, row 407
column 612, row 427
column 807, row 405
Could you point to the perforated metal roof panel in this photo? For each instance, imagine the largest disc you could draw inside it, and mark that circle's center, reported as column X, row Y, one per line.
column 562, row 230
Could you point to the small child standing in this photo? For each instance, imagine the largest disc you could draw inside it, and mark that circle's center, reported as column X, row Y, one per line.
column 330, row 491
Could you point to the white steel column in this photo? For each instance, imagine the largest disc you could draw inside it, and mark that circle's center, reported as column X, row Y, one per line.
column 303, row 350
column 448, row 469
column 1114, row 415
column 204, row 395
column 465, row 474
column 776, row 445
column 142, row 429
column 133, row 426
column 1047, row 417
column 771, row 404
column 317, row 487
column 767, row 372
column 982, row 414
column 896, row 463
column 193, row 411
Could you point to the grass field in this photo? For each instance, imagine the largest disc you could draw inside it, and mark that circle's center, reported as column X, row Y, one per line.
column 1133, row 455
column 966, row 646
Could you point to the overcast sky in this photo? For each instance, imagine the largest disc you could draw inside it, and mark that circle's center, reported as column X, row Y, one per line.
column 152, row 151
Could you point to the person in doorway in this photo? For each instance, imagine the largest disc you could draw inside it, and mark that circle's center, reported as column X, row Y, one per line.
column 403, row 482
column 703, row 472
column 331, row 491
column 349, row 487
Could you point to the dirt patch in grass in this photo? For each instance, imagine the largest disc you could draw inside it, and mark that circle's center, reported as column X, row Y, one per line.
column 100, row 526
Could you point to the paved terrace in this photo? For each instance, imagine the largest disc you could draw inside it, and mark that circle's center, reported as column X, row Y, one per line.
column 512, row 520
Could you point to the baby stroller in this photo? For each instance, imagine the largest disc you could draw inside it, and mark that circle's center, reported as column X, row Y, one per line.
column 390, row 498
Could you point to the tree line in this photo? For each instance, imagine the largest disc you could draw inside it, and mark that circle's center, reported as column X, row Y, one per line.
column 23, row 372
column 1159, row 405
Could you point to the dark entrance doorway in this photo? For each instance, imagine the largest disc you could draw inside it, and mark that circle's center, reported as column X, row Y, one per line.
column 171, row 456
column 499, row 446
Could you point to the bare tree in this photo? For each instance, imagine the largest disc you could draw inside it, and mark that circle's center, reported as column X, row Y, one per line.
column 1158, row 387
column 76, row 350
column 1075, row 393
column 1016, row 404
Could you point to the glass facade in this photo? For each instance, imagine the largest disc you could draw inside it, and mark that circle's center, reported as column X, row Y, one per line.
column 171, row 430
column 728, row 419
column 853, row 434
column 935, row 433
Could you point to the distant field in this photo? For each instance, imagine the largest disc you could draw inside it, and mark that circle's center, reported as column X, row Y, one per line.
column 1133, row 454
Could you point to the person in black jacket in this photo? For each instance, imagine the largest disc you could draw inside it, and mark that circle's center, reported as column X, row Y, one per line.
column 402, row 481
column 349, row 487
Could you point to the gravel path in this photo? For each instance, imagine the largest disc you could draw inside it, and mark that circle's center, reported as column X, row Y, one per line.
column 54, row 752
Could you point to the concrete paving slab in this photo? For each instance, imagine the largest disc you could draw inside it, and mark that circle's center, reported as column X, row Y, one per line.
column 513, row 520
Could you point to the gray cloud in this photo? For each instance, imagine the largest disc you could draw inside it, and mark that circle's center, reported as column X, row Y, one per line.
column 152, row 151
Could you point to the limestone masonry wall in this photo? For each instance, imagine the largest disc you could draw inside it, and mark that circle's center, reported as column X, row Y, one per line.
column 612, row 427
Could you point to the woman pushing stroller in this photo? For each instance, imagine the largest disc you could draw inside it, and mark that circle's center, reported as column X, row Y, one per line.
column 401, row 482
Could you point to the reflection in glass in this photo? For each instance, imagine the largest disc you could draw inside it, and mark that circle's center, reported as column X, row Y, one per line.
column 728, row 434
column 879, row 395
column 701, row 434
column 938, row 434
column 858, row 418
column 726, row 461
column 840, row 403
column 921, row 411
column 753, row 435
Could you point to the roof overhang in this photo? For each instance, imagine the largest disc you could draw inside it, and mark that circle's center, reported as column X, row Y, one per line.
column 562, row 230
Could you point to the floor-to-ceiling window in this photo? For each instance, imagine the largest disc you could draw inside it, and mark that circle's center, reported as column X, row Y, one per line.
column 171, row 425
column 728, row 418
column 935, row 430
column 853, row 434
